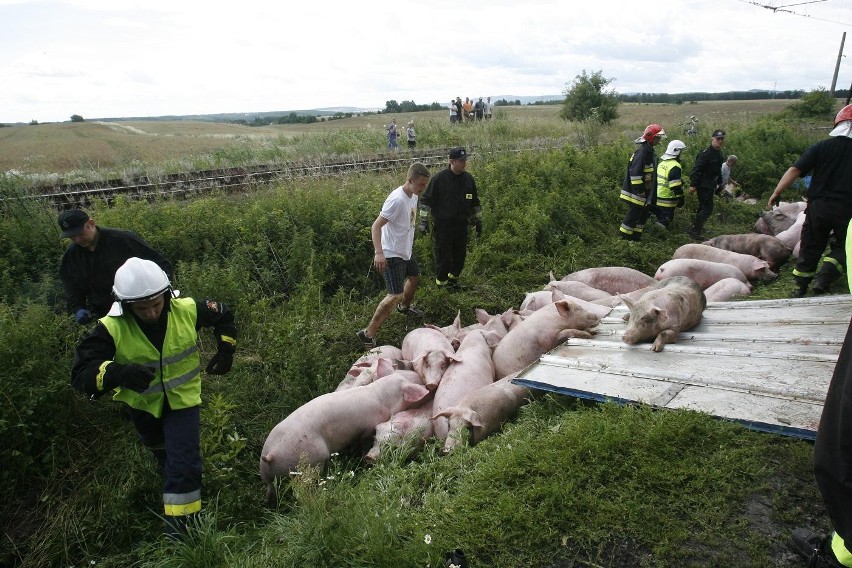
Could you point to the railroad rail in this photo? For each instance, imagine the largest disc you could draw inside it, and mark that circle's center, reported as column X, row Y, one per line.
column 65, row 196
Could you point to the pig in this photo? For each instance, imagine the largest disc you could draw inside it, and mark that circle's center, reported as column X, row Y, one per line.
column 725, row 289
column 703, row 272
column 752, row 267
column 429, row 351
column 779, row 218
column 471, row 368
column 451, row 331
column 410, row 426
column 498, row 323
column 612, row 279
column 483, row 411
column 675, row 305
column 355, row 376
column 540, row 332
column 333, row 421
column 766, row 247
column 577, row 289
column 793, row 235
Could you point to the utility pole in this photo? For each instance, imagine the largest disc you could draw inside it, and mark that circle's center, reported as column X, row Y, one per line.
column 837, row 65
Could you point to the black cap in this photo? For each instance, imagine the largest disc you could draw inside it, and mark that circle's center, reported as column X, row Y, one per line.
column 718, row 134
column 458, row 154
column 71, row 222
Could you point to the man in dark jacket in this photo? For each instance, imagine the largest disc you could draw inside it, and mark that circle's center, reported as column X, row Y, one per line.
column 704, row 179
column 89, row 264
column 451, row 204
column 640, row 183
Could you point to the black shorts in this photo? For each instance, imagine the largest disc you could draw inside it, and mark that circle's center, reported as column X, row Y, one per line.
column 397, row 270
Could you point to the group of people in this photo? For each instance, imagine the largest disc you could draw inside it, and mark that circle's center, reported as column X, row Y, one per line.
column 393, row 133
column 143, row 349
column 469, row 111
column 656, row 187
column 448, row 205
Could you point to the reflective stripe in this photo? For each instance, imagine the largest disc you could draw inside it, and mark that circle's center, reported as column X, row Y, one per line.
column 632, row 198
column 180, row 356
column 834, row 261
column 803, row 274
column 227, row 339
column 173, row 383
column 838, row 547
column 183, row 509
column 99, row 378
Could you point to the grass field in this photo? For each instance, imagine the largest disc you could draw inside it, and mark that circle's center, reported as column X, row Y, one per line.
column 85, row 148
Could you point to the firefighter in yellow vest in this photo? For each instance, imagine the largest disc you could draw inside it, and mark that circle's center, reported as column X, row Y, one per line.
column 145, row 351
column 669, row 184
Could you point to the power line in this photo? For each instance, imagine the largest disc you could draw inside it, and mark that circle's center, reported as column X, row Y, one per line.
column 782, row 8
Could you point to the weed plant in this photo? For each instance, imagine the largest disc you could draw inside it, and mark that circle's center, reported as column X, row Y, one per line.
column 566, row 484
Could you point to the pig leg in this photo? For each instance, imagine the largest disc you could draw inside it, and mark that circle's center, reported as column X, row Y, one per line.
column 566, row 334
column 665, row 336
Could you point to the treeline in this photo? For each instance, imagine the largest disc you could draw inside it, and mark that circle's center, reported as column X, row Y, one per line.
column 678, row 98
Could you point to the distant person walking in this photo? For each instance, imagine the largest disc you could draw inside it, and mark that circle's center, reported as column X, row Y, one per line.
column 88, row 266
column 479, row 109
column 393, row 134
column 451, row 204
column 393, row 242
column 640, row 183
column 412, row 136
column 704, row 178
column 829, row 205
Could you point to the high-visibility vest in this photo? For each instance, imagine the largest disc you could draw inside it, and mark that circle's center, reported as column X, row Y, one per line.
column 668, row 191
column 177, row 369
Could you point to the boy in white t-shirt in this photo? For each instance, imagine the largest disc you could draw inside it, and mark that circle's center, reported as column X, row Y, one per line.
column 393, row 241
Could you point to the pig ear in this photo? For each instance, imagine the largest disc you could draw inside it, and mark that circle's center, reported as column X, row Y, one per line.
column 455, row 358
column 446, row 413
column 557, row 294
column 457, row 321
column 414, row 393
column 758, row 264
column 384, row 366
column 471, row 417
column 482, row 316
column 492, row 338
column 627, row 302
column 552, row 276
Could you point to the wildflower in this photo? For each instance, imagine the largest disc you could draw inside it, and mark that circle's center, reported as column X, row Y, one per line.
column 427, row 539
column 351, row 474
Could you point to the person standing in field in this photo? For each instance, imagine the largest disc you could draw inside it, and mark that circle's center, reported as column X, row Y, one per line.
column 393, row 243
column 640, row 183
column 704, row 178
column 829, row 208
column 88, row 266
column 145, row 351
column 669, row 184
column 393, row 134
column 451, row 204
column 489, row 109
column 412, row 136
column 453, row 112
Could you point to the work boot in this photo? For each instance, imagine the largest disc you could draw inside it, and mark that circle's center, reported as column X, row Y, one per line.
column 695, row 234
column 825, row 277
column 802, row 282
column 799, row 292
column 814, row 548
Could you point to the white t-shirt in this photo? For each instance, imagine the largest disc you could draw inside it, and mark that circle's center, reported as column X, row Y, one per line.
column 398, row 233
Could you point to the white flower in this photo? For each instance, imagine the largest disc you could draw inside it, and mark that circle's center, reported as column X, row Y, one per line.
column 427, row 539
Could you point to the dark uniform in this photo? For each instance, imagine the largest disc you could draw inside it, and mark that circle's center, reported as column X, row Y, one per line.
column 829, row 211
column 638, row 191
column 87, row 276
column 705, row 177
column 454, row 204
column 166, row 414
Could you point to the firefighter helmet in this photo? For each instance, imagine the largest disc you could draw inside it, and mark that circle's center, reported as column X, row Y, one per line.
column 139, row 279
column 844, row 114
column 674, row 149
column 652, row 131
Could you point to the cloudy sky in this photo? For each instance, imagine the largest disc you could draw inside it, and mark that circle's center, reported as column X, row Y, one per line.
column 114, row 58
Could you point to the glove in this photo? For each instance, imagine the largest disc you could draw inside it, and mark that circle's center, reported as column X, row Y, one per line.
column 680, row 201
column 133, row 376
column 83, row 316
column 222, row 361
column 423, row 225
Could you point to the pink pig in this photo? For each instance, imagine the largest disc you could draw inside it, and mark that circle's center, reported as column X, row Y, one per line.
column 752, row 267
column 675, row 305
column 333, row 421
column 540, row 332
column 413, row 425
column 429, row 351
column 358, row 374
column 612, row 279
column 703, row 272
column 725, row 289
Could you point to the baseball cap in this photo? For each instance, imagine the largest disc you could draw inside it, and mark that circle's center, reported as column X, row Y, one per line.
column 71, row 222
column 458, row 154
column 718, row 134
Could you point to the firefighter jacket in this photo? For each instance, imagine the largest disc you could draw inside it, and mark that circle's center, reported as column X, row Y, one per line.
column 669, row 183
column 639, row 180
column 451, row 197
column 167, row 347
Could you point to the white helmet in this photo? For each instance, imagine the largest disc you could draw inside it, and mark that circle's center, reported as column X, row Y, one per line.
column 674, row 149
column 137, row 280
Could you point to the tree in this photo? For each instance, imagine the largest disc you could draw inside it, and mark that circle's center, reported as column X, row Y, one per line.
column 391, row 106
column 817, row 104
column 586, row 99
column 76, row 118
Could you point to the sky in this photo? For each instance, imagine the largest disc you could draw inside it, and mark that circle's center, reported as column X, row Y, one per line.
column 139, row 58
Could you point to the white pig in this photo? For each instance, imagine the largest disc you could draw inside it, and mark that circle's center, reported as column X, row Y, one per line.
column 483, row 411
column 429, row 351
column 333, row 421
column 725, row 289
column 413, row 425
column 451, row 331
column 767, row 247
column 675, row 305
column 577, row 289
column 703, row 272
column 356, row 375
column 540, row 332
column 752, row 267
column 612, row 279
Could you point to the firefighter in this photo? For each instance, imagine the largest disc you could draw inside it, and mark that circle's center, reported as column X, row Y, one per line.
column 145, row 351
column 669, row 184
column 639, row 185
column 829, row 206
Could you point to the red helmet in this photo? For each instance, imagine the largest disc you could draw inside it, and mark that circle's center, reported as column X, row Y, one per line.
column 652, row 131
column 844, row 114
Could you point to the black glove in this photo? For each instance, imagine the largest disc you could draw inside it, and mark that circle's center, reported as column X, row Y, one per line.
column 83, row 316
column 133, row 376
column 222, row 361
column 423, row 225
column 680, row 201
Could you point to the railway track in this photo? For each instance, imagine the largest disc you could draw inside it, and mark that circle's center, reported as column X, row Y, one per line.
column 187, row 184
